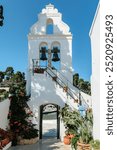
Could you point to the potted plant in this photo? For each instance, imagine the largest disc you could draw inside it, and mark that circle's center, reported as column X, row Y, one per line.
column 95, row 144
column 67, row 140
column 74, row 142
column 71, row 132
column 71, row 121
column 65, row 89
column 39, row 70
column 64, row 113
column 85, row 131
column 4, row 138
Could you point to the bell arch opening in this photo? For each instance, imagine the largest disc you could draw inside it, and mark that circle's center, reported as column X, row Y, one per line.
column 49, row 121
column 49, row 26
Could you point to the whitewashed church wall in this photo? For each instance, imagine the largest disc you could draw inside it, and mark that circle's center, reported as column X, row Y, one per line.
column 4, row 109
column 95, row 78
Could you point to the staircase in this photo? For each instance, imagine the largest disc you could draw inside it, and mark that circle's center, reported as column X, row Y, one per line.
column 71, row 91
column 67, row 86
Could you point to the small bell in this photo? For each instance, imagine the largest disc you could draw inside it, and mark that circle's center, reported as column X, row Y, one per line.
column 55, row 49
column 43, row 49
column 43, row 56
column 1, row 15
column 55, row 57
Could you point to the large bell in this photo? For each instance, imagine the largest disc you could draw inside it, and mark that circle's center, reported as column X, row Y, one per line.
column 43, row 49
column 55, row 57
column 43, row 56
column 55, row 49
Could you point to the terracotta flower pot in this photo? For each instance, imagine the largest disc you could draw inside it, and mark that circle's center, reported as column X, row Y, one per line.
column 5, row 142
column 39, row 70
column 65, row 89
column 67, row 140
column 71, row 136
column 0, row 145
column 82, row 146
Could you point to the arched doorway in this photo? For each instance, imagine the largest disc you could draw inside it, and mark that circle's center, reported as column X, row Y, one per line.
column 49, row 121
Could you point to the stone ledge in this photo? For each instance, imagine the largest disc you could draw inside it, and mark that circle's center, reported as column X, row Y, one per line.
column 7, row 146
column 28, row 141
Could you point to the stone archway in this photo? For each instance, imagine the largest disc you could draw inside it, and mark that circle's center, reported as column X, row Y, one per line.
column 49, row 109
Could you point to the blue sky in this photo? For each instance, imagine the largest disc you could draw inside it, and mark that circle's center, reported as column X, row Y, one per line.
column 20, row 15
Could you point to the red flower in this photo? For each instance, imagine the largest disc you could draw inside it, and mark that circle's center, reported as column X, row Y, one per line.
column 17, row 130
column 19, row 124
column 10, row 98
column 30, row 112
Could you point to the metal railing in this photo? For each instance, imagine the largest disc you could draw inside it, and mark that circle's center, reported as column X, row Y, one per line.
column 70, row 92
column 62, row 81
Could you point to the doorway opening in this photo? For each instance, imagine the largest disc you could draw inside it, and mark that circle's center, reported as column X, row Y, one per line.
column 49, row 121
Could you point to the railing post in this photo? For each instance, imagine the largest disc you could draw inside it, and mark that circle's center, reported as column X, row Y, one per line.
column 33, row 67
column 49, row 58
column 80, row 101
column 67, row 88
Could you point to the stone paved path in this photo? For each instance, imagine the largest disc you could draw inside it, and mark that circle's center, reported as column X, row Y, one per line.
column 45, row 144
column 49, row 142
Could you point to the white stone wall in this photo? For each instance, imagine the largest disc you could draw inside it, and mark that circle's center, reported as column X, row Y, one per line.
column 5, row 88
column 87, row 98
column 4, row 109
column 44, row 90
column 95, row 78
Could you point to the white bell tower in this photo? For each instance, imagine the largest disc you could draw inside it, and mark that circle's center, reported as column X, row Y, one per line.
column 49, row 76
column 50, row 42
column 49, row 64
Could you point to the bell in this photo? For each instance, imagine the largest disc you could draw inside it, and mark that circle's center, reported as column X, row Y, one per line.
column 43, row 56
column 43, row 49
column 55, row 57
column 55, row 49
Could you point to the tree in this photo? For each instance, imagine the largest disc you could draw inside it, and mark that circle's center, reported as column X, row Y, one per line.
column 75, row 79
column 84, row 86
column 9, row 72
column 80, row 83
column 18, row 77
column 20, row 115
column 1, row 76
column 89, row 87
